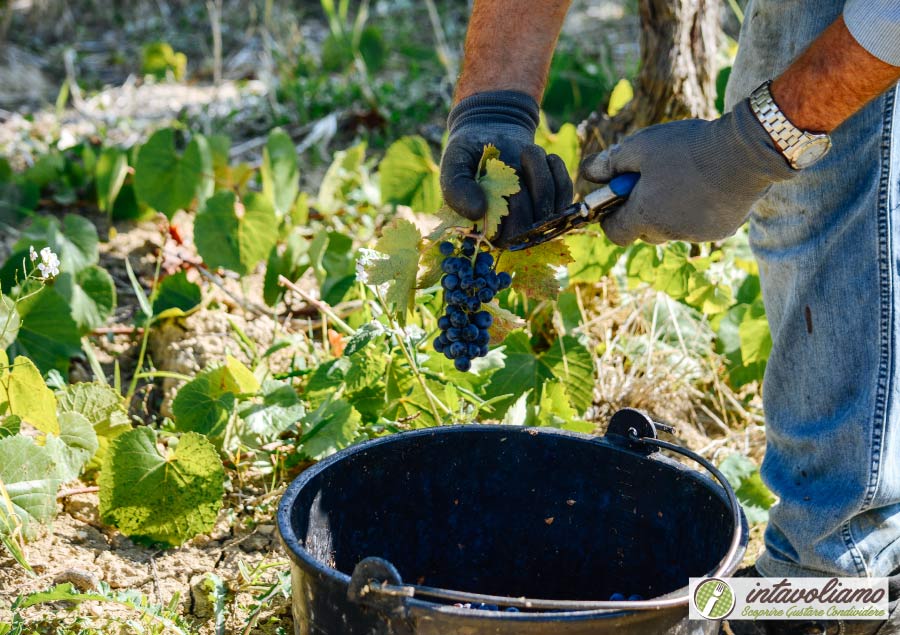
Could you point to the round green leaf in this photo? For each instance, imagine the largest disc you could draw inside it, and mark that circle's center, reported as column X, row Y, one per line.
column 233, row 237
column 409, row 175
column 29, row 475
column 168, row 182
column 165, row 498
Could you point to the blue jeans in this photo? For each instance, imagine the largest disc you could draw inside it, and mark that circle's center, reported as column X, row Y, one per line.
column 828, row 247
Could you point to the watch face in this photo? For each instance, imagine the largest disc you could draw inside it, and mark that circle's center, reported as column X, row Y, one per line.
column 810, row 152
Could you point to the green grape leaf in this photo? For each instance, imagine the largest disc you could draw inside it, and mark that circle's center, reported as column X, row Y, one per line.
column 74, row 447
column 708, row 297
column 176, row 297
column 165, row 498
column 9, row 322
column 205, row 403
column 277, row 410
column 554, row 409
column 756, row 339
column 103, row 407
column 563, row 143
column 90, row 294
column 406, row 400
column 23, row 393
column 290, row 260
column 168, row 182
column 333, row 262
column 342, row 177
column 75, row 242
column 29, row 474
column 499, row 182
column 533, row 269
column 109, row 176
column 593, row 255
column 235, row 235
column 333, row 426
column 363, row 336
column 743, row 475
column 395, row 263
column 409, row 175
column 48, row 335
column 10, row 426
column 566, row 360
column 279, row 172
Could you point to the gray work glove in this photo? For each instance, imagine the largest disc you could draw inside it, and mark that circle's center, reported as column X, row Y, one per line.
column 698, row 178
column 506, row 119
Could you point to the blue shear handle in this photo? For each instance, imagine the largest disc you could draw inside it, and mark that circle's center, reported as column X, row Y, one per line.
column 624, row 183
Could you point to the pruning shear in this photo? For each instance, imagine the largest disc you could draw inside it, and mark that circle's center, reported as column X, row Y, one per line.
column 595, row 206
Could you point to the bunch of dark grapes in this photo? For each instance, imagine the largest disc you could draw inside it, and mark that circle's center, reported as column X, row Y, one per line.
column 469, row 281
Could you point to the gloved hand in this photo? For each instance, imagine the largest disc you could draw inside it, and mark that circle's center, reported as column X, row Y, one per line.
column 698, row 178
column 506, row 119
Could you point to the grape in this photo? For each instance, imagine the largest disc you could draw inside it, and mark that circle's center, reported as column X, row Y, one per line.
column 635, row 598
column 450, row 281
column 482, row 319
column 482, row 269
column 469, row 281
column 511, row 609
column 485, row 607
column 617, row 597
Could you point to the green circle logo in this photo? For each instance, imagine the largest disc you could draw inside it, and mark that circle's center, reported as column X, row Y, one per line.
column 714, row 599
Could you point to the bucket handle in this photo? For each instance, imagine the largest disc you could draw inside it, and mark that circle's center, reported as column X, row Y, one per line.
column 376, row 583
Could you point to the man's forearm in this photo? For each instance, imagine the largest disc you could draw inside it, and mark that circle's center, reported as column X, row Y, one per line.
column 831, row 81
column 509, row 45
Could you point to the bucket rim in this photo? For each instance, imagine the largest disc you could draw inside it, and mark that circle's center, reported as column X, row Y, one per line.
column 301, row 557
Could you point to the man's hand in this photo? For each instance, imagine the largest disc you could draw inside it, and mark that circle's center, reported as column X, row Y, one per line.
column 698, row 178
column 506, row 119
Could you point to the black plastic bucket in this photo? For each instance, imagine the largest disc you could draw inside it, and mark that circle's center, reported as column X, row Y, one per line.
column 386, row 536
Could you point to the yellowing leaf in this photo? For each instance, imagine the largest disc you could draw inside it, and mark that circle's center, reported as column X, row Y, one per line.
column 533, row 269
column 621, row 95
column 499, row 181
column 430, row 266
column 563, row 143
column 24, row 393
column 235, row 377
column 399, row 246
column 505, row 322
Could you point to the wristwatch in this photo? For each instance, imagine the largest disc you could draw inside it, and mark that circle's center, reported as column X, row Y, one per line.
column 801, row 149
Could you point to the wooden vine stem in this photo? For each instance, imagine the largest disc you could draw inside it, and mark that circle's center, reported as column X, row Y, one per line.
column 679, row 45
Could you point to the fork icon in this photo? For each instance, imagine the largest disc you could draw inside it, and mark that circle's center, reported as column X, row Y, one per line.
column 711, row 602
